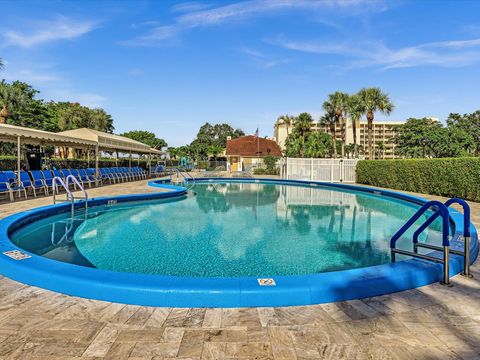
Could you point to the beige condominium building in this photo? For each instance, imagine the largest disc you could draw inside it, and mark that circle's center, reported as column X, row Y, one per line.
column 383, row 133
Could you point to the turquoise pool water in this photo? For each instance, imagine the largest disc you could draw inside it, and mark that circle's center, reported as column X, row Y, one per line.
column 230, row 230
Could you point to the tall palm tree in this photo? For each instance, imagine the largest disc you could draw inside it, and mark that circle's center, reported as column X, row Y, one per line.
column 287, row 120
column 371, row 101
column 338, row 102
column 303, row 124
column 329, row 119
column 354, row 111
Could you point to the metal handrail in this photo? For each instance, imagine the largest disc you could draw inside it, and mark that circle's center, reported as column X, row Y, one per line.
column 70, row 196
column 182, row 173
column 56, row 180
column 442, row 210
column 466, row 234
column 85, row 194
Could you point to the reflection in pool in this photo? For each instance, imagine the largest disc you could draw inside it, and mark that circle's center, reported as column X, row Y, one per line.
column 230, row 230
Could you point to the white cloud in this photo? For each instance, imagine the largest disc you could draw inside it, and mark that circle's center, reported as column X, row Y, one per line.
column 91, row 100
column 30, row 76
column 235, row 12
column 263, row 60
column 455, row 53
column 62, row 28
column 189, row 6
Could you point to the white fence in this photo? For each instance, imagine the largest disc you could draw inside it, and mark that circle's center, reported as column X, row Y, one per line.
column 328, row 170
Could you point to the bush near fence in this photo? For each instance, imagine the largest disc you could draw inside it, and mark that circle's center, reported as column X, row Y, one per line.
column 455, row 177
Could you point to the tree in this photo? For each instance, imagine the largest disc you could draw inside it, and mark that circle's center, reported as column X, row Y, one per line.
column 209, row 135
column 287, row 120
column 13, row 99
column 470, row 123
column 372, row 100
column 329, row 119
column 318, row 145
column 293, row 145
column 354, row 110
column 70, row 116
column 337, row 103
column 215, row 150
column 416, row 137
column 380, row 150
column 146, row 137
column 303, row 126
column 2, row 65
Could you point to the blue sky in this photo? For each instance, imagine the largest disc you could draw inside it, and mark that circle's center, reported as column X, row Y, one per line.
column 169, row 66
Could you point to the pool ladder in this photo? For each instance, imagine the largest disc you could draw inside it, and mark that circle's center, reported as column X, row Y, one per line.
column 188, row 179
column 440, row 210
column 70, row 197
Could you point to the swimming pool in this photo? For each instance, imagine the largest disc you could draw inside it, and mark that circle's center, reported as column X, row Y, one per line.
column 219, row 244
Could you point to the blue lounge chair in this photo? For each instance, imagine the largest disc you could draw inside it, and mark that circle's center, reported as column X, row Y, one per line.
column 30, row 184
column 84, row 178
column 91, row 172
column 9, row 178
column 106, row 174
column 48, row 178
column 58, row 173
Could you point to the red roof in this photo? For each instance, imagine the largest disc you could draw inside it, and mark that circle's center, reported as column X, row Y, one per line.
column 253, row 146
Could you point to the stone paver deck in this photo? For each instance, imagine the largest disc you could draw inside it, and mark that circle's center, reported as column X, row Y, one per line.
column 432, row 322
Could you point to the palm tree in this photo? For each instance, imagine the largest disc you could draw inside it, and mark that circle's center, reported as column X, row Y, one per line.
column 380, row 150
column 2, row 65
column 354, row 110
column 287, row 120
column 303, row 124
column 373, row 100
column 338, row 102
column 329, row 119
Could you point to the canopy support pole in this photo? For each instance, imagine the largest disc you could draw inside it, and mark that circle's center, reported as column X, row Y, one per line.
column 116, row 158
column 97, row 158
column 138, row 160
column 18, row 157
column 150, row 165
column 88, row 157
column 130, row 160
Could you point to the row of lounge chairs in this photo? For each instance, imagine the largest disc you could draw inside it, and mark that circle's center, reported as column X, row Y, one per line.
column 42, row 180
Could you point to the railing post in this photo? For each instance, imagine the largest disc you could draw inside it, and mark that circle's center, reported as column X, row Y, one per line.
column 446, row 266
column 466, row 258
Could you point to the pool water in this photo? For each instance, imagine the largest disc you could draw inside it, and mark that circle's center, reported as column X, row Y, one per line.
column 231, row 230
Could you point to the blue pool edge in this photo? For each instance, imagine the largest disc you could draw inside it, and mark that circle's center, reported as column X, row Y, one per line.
column 170, row 291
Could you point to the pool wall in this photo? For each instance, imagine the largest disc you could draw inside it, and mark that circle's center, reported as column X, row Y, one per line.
column 171, row 291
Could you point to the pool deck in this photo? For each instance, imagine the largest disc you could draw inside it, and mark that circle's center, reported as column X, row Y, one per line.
column 432, row 322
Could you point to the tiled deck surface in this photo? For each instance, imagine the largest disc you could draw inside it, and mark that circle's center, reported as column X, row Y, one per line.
column 432, row 322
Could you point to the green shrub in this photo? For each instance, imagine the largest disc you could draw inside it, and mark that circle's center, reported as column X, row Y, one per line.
column 455, row 177
column 266, row 171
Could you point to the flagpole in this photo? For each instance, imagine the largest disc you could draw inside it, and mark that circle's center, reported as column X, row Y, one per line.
column 258, row 149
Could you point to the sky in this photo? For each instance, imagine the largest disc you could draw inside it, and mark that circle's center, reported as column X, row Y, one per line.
column 170, row 66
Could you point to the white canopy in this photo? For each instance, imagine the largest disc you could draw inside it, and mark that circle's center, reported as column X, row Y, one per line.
column 111, row 142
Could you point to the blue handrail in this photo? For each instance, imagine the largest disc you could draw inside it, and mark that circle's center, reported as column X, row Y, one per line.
column 466, row 218
column 441, row 210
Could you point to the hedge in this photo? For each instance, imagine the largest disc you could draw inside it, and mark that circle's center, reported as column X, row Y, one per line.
column 455, row 177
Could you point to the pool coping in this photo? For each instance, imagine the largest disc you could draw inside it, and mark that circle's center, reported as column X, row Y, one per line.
column 171, row 291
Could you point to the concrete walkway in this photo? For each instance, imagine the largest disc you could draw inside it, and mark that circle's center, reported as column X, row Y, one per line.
column 432, row 322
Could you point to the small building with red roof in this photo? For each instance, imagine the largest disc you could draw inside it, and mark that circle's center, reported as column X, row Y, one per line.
column 248, row 151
